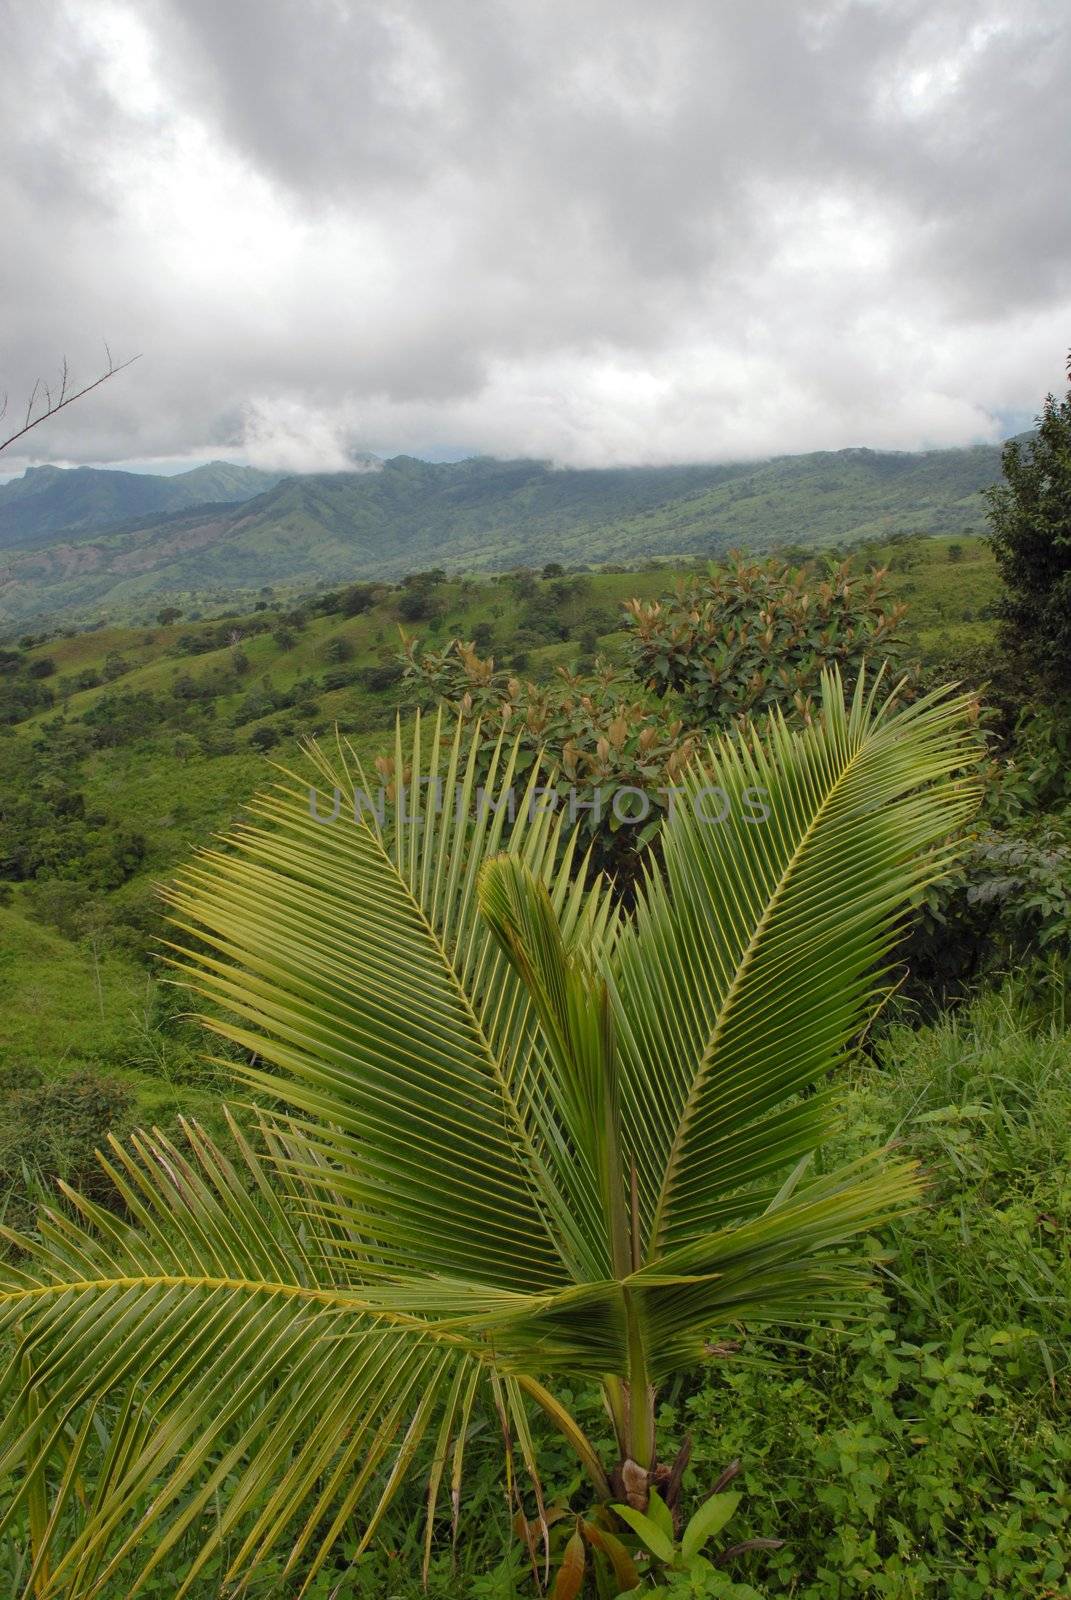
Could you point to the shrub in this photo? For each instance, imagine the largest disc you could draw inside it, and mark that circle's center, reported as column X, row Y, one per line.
column 264, row 738
column 50, row 1128
column 602, row 735
column 754, row 634
column 419, row 605
column 338, row 650
column 114, row 667
column 1005, row 906
column 379, row 678
column 925, row 1454
column 358, row 598
column 339, row 678
column 1030, row 522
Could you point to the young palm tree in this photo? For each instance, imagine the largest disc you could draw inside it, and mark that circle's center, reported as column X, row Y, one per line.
column 508, row 1135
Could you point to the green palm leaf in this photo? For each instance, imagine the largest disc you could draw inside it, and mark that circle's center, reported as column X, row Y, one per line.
column 237, row 1350
column 755, row 955
column 509, row 1134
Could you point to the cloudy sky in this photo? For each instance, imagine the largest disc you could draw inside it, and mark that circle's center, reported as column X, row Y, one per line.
column 598, row 231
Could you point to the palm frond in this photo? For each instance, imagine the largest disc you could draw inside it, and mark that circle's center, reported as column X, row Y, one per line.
column 509, row 1133
column 756, row 955
column 359, row 967
column 234, row 1353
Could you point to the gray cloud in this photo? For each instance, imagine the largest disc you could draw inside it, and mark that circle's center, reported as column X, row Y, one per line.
column 598, row 232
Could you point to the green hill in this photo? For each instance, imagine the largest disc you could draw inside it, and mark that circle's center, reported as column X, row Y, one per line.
column 49, row 502
column 122, row 747
column 483, row 515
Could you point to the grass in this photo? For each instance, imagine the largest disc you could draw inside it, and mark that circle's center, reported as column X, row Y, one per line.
column 919, row 1454
column 58, row 1006
column 926, row 1452
column 178, row 797
column 66, row 1013
column 944, row 599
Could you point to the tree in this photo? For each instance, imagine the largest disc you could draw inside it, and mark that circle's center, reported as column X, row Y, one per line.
column 1030, row 534
column 338, row 650
column 168, row 614
column 358, row 598
column 510, row 1141
column 753, row 634
column 598, row 732
column 264, row 738
column 417, row 603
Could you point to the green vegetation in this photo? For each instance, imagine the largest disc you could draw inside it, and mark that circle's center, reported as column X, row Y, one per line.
column 926, row 1452
column 140, row 742
column 585, row 1152
column 751, row 635
column 915, row 1453
column 484, row 516
column 1030, row 514
column 47, row 503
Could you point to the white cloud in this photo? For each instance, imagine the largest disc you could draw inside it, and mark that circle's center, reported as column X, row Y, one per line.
column 293, row 437
column 600, row 234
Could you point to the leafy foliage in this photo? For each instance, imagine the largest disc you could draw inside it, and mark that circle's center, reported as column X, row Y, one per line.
column 582, row 1145
column 753, row 634
column 1030, row 532
column 1005, row 907
column 613, row 758
column 924, row 1454
column 47, row 831
column 50, row 1129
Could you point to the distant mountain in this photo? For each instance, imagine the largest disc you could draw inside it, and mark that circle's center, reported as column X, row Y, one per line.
column 47, row 502
column 482, row 514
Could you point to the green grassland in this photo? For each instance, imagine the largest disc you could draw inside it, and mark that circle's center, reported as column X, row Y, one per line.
column 920, row 1451
column 67, row 1006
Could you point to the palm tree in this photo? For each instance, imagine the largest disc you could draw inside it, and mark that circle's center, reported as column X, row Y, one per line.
column 508, row 1135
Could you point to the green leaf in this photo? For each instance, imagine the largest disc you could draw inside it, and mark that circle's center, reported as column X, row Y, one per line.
column 516, row 1133
column 654, row 1538
column 763, row 942
column 710, row 1519
column 609, row 1545
column 660, row 1513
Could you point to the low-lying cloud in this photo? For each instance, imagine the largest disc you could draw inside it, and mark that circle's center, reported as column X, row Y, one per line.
column 602, row 233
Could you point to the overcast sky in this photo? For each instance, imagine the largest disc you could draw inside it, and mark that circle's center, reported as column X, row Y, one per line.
column 598, row 231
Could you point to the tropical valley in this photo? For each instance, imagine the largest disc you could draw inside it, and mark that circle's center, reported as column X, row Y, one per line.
column 91, row 542
column 128, row 741
column 535, row 800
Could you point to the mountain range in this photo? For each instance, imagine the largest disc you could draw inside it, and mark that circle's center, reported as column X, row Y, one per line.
column 47, row 502
column 87, row 542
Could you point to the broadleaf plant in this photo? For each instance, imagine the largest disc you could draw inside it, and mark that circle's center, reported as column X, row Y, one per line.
column 510, row 1138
